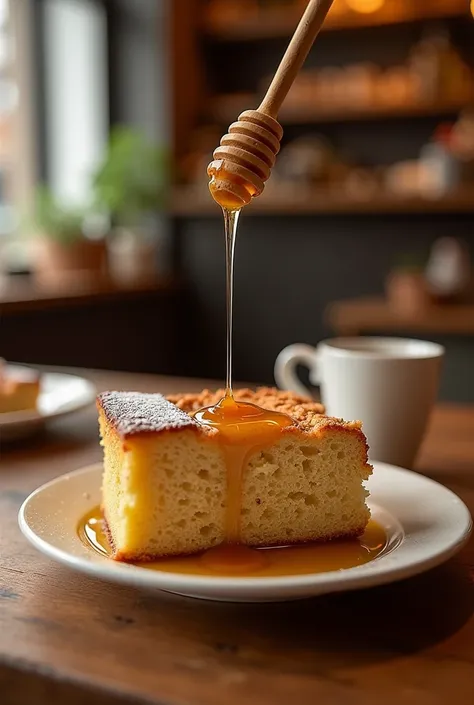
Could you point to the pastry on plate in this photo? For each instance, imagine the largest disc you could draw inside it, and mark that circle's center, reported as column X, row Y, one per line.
column 166, row 476
column 19, row 388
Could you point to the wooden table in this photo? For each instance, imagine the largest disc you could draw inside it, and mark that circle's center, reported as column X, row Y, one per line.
column 69, row 640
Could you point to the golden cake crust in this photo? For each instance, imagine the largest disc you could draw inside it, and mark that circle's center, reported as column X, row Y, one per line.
column 136, row 413
column 270, row 398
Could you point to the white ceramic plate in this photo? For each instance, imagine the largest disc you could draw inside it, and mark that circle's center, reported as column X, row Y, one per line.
column 60, row 394
column 425, row 524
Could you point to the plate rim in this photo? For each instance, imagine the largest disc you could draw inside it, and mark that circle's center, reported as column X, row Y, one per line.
column 357, row 577
column 22, row 417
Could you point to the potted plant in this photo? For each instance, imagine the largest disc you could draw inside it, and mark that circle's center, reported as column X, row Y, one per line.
column 406, row 287
column 62, row 243
column 131, row 185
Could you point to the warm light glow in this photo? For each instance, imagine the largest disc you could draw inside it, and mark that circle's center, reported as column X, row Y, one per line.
column 367, row 6
column 472, row 7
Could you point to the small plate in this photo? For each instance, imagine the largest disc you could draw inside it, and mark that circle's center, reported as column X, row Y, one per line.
column 60, row 394
column 425, row 524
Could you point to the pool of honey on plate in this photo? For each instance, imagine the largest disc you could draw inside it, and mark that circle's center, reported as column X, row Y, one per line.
column 243, row 562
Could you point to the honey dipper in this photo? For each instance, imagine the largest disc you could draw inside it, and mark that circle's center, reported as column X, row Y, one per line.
column 247, row 153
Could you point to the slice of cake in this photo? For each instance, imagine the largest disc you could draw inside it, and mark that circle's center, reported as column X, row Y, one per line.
column 165, row 482
column 19, row 388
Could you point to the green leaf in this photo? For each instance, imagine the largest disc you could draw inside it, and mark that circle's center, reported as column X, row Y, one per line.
column 57, row 222
column 132, row 180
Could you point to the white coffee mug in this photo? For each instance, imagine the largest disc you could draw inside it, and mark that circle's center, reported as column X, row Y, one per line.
column 390, row 384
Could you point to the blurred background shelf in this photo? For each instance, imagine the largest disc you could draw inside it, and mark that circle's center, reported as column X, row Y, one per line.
column 278, row 23
column 26, row 293
column 378, row 125
column 188, row 202
column 375, row 315
column 226, row 108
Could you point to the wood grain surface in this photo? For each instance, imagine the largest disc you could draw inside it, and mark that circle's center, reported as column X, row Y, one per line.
column 70, row 640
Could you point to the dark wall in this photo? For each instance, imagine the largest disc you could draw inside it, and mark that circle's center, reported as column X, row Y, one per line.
column 136, row 332
column 287, row 271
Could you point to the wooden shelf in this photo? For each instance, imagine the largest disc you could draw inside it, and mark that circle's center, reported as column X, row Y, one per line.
column 280, row 24
column 357, row 316
column 190, row 202
column 25, row 293
column 226, row 108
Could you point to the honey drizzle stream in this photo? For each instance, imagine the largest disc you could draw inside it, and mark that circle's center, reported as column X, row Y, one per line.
column 231, row 221
column 244, row 428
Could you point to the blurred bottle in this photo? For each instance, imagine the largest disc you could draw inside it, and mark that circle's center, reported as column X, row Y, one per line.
column 438, row 69
column 448, row 272
column 395, row 86
column 358, row 83
column 308, row 160
column 462, row 144
column 406, row 288
column 439, row 166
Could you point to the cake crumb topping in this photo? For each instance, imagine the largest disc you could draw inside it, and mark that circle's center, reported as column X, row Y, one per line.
column 131, row 413
column 304, row 411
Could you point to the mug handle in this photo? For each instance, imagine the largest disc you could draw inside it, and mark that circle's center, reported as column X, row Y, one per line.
column 285, row 367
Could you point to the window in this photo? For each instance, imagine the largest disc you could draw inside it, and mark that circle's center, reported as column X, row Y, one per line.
column 76, row 94
column 17, row 170
column 53, row 100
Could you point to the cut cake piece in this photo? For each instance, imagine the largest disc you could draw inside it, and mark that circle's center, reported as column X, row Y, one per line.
column 19, row 388
column 165, row 476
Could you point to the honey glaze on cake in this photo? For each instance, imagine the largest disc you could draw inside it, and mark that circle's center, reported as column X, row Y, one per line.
column 240, row 561
column 242, row 429
column 295, row 487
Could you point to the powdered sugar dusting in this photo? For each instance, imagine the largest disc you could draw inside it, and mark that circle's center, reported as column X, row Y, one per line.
column 135, row 412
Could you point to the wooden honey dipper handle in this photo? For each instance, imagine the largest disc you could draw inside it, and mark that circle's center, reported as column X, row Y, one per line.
column 246, row 155
column 298, row 49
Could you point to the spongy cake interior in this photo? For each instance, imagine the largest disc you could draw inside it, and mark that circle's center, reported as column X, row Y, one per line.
column 165, row 492
column 305, row 489
column 162, row 494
